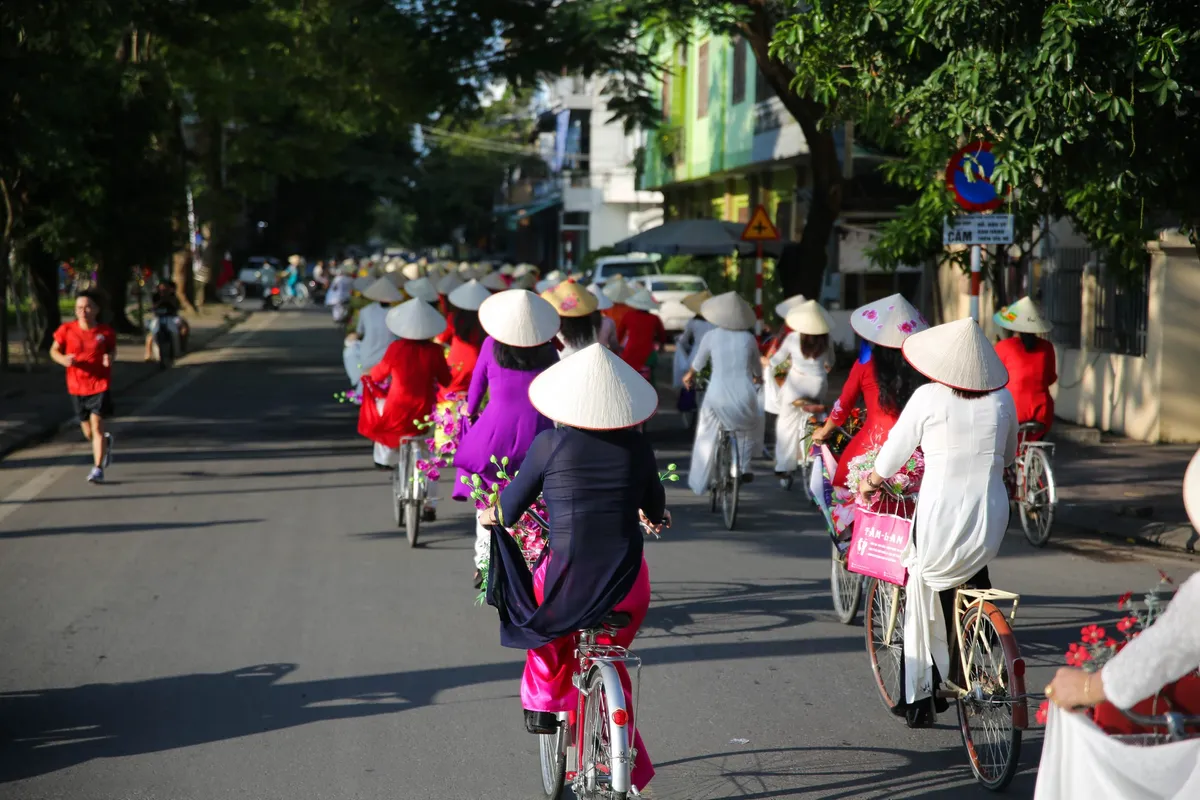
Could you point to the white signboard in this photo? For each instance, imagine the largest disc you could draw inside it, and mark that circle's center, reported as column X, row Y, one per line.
column 978, row 229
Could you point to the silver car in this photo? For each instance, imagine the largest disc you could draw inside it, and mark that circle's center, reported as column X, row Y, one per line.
column 669, row 290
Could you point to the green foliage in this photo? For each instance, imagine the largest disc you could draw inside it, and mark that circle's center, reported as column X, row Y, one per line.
column 1092, row 106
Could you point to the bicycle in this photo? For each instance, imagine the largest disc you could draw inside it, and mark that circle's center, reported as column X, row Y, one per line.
column 993, row 706
column 1175, row 727
column 409, row 490
column 845, row 587
column 727, row 479
column 1033, row 488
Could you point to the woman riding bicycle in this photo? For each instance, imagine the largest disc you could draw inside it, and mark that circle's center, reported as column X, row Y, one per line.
column 731, row 400
column 966, row 424
column 808, row 349
column 883, row 380
column 598, row 476
column 1030, row 362
column 579, row 315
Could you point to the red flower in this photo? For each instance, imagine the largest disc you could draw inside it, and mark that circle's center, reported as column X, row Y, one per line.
column 1124, row 599
column 1110, row 642
column 1166, row 577
column 1077, row 655
column 1127, row 624
column 1092, row 634
column 1042, row 712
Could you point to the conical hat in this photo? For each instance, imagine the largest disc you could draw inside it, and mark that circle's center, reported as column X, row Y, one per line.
column 411, row 271
column 518, row 318
column 1191, row 490
column 571, row 300
column 415, row 319
column 555, row 275
column 526, row 281
column 784, row 306
column 693, row 301
column 383, row 291
column 601, row 298
column 888, row 322
column 449, row 283
column 728, row 311
column 809, row 318
column 421, row 289
column 642, row 299
column 469, row 296
column 507, row 269
column 618, row 290
column 361, row 284
column 493, row 281
column 524, row 269
column 595, row 390
column 1023, row 316
column 958, row 355
column 397, row 278
column 545, row 285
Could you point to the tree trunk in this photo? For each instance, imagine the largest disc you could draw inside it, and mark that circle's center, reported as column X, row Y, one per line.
column 43, row 274
column 824, row 166
column 113, row 279
column 181, row 273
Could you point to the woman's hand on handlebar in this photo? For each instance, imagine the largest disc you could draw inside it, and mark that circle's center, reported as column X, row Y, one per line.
column 652, row 527
column 1075, row 689
column 489, row 516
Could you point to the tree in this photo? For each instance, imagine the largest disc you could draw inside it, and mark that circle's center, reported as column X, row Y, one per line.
column 1092, row 106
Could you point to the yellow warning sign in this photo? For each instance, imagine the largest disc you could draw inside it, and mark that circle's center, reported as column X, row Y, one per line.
column 760, row 228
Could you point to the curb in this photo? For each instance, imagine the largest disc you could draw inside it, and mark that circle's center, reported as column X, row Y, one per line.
column 1174, row 536
column 41, row 430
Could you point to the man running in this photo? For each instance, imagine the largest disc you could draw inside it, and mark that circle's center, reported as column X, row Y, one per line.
column 87, row 348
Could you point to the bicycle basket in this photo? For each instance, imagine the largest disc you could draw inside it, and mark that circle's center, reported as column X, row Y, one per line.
column 882, row 531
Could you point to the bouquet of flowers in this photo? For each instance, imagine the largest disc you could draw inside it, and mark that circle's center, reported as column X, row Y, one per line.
column 447, row 424
column 904, row 483
column 1096, row 647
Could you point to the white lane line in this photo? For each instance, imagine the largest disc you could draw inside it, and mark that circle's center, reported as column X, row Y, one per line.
column 47, row 477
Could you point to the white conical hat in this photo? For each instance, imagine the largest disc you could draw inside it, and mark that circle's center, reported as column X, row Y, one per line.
column 556, row 275
column 493, row 281
column 642, row 299
column 415, row 319
column 958, row 355
column 1023, row 316
column 618, row 290
column 361, row 283
column 809, row 318
column 604, row 302
column 571, row 300
column 1191, row 490
column 526, row 281
column 507, row 269
column 595, row 390
column 383, row 291
column 524, row 269
column 728, row 311
column 888, row 322
column 545, row 285
column 696, row 299
column 518, row 318
column 411, row 271
column 449, row 282
column 422, row 289
column 469, row 296
column 784, row 306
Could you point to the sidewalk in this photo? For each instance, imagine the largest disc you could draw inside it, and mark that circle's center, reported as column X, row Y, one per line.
column 1122, row 488
column 33, row 405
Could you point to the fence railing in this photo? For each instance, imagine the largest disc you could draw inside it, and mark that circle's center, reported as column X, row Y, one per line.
column 1062, row 295
column 1120, row 314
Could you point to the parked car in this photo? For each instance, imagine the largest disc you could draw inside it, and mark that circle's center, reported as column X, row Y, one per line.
column 669, row 290
column 257, row 272
column 629, row 266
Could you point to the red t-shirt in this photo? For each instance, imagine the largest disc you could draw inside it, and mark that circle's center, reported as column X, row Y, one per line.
column 87, row 375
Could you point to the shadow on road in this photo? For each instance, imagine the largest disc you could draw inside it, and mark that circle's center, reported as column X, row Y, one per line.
column 125, row 527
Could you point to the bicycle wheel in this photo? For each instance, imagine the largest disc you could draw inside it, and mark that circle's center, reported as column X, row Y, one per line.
column 552, row 754
column 846, row 588
column 398, row 474
column 720, row 467
column 1035, row 506
column 732, row 481
column 886, row 653
column 414, row 500
column 596, row 762
column 987, row 715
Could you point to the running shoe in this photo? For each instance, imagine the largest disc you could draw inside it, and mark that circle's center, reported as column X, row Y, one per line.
column 96, row 475
column 106, row 462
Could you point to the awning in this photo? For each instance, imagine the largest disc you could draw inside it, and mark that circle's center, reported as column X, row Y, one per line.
column 513, row 215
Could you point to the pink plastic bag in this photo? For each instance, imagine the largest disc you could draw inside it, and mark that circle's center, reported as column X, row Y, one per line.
column 877, row 545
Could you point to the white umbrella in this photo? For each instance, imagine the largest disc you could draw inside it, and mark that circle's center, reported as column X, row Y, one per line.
column 695, row 237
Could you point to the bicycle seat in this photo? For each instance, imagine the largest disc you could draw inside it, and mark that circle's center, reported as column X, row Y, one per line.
column 616, row 619
column 1031, row 427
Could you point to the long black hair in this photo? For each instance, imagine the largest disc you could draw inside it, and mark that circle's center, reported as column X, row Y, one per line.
column 813, row 345
column 524, row 359
column 897, row 380
column 579, row 332
column 1029, row 341
column 466, row 325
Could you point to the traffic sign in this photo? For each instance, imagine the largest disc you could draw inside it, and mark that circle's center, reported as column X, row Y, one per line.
column 978, row 229
column 760, row 228
column 973, row 192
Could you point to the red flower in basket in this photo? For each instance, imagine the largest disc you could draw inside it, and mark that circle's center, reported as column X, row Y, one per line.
column 1043, row 712
column 1124, row 599
column 1092, row 634
column 1077, row 655
column 1127, row 624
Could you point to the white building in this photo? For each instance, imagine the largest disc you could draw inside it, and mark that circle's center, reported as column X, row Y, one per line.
column 596, row 166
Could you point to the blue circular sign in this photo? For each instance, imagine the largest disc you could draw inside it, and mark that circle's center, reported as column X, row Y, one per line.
column 973, row 192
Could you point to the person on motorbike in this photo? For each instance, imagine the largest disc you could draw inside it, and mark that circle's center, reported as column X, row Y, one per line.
column 293, row 275
column 164, row 310
column 965, row 422
column 598, row 476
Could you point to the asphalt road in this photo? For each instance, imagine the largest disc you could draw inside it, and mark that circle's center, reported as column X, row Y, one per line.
column 234, row 615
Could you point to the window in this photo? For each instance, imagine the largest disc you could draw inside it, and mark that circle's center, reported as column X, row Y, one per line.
column 762, row 89
column 739, row 70
column 687, row 285
column 702, row 81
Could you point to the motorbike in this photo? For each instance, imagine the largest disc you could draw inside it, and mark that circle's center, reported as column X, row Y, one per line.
column 316, row 293
column 233, row 292
column 166, row 337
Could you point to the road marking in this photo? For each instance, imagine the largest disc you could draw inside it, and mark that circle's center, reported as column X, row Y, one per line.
column 46, row 478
